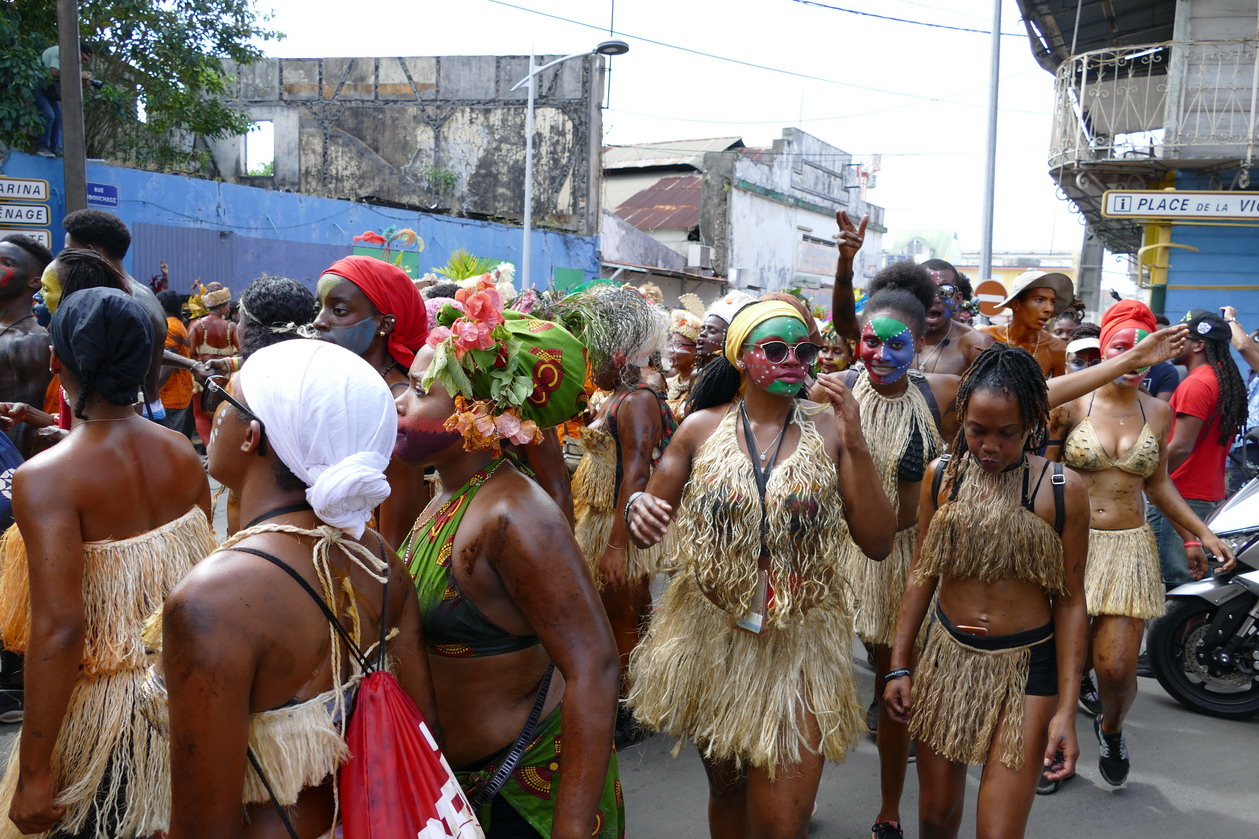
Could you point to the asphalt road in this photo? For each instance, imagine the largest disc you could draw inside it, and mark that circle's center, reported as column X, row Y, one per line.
column 1192, row 776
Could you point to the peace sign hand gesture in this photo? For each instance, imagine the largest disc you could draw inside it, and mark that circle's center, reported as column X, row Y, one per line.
column 851, row 237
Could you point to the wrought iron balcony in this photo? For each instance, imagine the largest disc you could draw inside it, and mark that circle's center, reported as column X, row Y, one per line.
column 1126, row 115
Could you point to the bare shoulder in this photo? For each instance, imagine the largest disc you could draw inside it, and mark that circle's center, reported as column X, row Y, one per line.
column 982, row 336
column 944, row 386
column 698, row 427
column 1157, row 412
column 514, row 508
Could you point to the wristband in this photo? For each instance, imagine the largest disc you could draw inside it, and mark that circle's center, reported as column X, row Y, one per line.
column 630, row 503
column 1193, row 543
column 899, row 672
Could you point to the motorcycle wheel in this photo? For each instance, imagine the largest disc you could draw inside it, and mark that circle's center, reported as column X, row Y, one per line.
column 1173, row 638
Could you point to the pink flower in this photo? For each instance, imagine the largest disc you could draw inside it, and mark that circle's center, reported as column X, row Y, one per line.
column 484, row 308
column 437, row 335
column 508, row 425
column 484, row 424
column 529, row 433
column 471, row 336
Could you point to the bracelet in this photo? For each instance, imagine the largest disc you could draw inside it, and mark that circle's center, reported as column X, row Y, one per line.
column 898, row 673
column 1193, row 543
column 630, row 503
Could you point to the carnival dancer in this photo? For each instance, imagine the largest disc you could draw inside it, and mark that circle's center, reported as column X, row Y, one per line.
column 251, row 669
column 1035, row 299
column 901, row 415
column 683, row 332
column 373, row 309
column 836, row 354
column 1003, row 545
column 98, row 558
column 748, row 654
column 212, row 337
column 1123, row 584
column 712, row 333
column 623, row 445
column 512, row 620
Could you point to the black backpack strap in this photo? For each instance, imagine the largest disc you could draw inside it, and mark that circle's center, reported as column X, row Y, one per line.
column 924, row 387
column 1059, row 481
column 937, row 480
column 319, row 601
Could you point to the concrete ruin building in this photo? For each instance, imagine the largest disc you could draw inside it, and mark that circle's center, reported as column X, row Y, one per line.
column 763, row 217
column 442, row 133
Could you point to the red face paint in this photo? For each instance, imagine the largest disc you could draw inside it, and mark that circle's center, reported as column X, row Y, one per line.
column 422, row 430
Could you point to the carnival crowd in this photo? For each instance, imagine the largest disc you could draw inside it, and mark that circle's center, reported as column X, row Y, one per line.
column 446, row 503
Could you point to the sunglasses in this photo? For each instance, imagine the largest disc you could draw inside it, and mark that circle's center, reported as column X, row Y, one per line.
column 944, row 290
column 222, row 396
column 776, row 352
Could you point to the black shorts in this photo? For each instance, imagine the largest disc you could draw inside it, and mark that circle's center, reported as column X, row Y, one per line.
column 1042, row 667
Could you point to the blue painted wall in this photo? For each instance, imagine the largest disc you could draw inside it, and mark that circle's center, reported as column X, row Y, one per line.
column 1227, row 256
column 232, row 234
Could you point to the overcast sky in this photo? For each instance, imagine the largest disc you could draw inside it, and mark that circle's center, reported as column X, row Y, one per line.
column 915, row 94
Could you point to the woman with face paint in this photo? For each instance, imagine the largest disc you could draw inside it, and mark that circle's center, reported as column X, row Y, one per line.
column 511, row 617
column 712, row 333
column 374, row 310
column 1117, row 439
column 1001, row 553
column 835, row 354
column 683, row 332
column 758, row 489
column 901, row 417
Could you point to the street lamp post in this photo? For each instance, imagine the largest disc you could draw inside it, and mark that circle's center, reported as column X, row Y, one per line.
column 604, row 48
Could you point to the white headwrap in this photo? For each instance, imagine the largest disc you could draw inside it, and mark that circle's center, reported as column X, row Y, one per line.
column 332, row 422
column 725, row 307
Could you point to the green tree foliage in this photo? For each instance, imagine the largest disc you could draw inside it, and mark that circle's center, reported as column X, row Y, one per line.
column 161, row 61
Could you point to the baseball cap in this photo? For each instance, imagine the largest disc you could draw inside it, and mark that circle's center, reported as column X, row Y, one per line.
column 1206, row 326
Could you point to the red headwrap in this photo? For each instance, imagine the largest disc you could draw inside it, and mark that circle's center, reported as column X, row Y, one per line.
column 392, row 292
column 1126, row 314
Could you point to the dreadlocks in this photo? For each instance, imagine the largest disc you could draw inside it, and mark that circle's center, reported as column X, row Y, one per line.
column 1232, row 406
column 1010, row 371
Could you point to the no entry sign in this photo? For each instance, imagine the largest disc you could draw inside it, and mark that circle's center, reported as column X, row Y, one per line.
column 989, row 293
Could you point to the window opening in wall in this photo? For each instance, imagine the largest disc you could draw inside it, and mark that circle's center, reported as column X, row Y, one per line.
column 260, row 150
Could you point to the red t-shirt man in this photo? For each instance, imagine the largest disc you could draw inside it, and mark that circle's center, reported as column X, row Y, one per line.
column 1201, row 476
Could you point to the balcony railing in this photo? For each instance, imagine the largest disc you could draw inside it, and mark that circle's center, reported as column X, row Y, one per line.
column 1178, row 101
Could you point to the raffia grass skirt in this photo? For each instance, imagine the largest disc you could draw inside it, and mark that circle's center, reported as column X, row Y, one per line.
column 594, row 530
column 878, row 586
column 111, row 767
column 961, row 695
column 1122, row 576
column 741, row 696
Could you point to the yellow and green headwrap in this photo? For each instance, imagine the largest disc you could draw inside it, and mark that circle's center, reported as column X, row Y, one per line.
column 752, row 316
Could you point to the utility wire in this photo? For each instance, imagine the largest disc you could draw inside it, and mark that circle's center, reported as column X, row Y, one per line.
column 670, row 149
column 906, row 20
column 727, row 59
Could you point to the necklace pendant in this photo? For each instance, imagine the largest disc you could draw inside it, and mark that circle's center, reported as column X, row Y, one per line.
column 762, row 458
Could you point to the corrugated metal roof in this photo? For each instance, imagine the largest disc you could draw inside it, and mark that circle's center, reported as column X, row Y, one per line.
column 672, row 153
column 1102, row 23
column 670, row 203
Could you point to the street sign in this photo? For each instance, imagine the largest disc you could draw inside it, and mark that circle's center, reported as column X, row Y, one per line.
column 102, row 195
column 1178, row 204
column 989, row 293
column 36, row 214
column 41, row 236
column 23, row 189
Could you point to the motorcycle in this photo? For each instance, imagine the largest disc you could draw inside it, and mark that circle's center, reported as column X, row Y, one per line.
column 1204, row 650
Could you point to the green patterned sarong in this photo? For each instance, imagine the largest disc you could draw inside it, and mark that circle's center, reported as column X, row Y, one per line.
column 530, row 788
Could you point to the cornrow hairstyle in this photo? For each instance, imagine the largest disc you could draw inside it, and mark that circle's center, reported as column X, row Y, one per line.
column 1232, row 406
column 907, row 276
column 902, row 303
column 1088, row 329
column 1010, row 371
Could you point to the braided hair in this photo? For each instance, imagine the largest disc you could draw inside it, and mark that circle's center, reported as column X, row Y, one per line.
column 1010, row 371
column 1232, row 406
